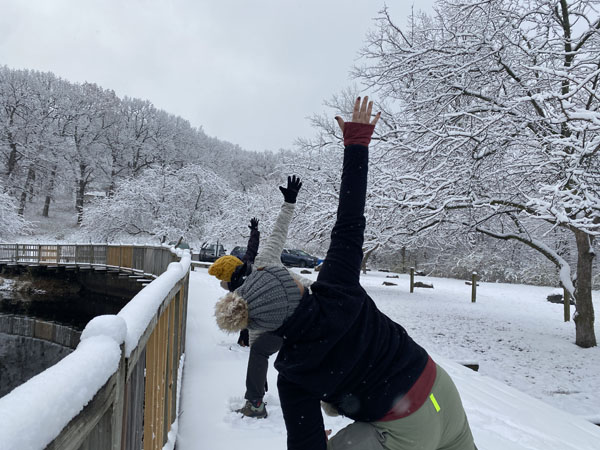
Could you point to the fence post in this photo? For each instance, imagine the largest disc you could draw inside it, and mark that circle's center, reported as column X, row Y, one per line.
column 39, row 258
column 57, row 254
column 567, row 304
column 118, row 407
column 473, row 287
column 412, row 280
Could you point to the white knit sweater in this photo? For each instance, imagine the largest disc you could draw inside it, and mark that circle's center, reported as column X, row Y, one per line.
column 270, row 251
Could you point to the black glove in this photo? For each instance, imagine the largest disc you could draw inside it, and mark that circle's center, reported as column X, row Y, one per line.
column 244, row 339
column 253, row 224
column 291, row 192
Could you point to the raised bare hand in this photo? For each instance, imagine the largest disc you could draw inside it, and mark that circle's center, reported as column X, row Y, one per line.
column 361, row 113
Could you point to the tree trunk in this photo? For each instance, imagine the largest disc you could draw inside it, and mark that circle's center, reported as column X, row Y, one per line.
column 403, row 259
column 14, row 153
column 32, row 188
column 79, row 201
column 28, row 183
column 81, row 185
column 584, row 316
column 49, row 193
column 366, row 258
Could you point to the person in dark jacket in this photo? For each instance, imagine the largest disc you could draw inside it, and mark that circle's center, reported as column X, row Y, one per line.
column 228, row 266
column 339, row 349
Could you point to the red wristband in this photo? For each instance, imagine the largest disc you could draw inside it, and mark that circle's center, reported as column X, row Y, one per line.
column 357, row 133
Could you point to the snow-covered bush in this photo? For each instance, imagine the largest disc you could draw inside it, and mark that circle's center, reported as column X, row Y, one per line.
column 11, row 223
column 164, row 203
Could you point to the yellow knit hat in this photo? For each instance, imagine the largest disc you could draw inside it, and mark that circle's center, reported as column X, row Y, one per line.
column 224, row 267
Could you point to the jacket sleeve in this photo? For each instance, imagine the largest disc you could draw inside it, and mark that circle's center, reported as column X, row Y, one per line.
column 270, row 255
column 302, row 416
column 252, row 248
column 344, row 257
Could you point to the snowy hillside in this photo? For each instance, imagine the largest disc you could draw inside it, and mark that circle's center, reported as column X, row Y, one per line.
column 516, row 336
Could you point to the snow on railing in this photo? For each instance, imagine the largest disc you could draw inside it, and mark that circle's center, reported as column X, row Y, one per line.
column 120, row 384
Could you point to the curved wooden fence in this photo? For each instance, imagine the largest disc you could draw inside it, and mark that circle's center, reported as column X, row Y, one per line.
column 136, row 258
column 132, row 407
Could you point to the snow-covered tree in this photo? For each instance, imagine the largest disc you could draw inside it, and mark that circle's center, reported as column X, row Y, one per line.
column 55, row 134
column 162, row 203
column 493, row 126
column 11, row 223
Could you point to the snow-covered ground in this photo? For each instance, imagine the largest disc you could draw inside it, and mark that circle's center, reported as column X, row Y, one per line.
column 517, row 337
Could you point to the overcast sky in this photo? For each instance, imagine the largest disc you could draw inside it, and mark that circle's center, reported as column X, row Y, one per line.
column 246, row 71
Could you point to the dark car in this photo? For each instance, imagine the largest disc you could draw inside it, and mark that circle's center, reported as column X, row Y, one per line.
column 297, row 258
column 212, row 252
column 238, row 252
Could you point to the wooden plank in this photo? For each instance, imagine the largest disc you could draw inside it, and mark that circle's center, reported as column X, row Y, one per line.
column 127, row 256
column 113, row 253
column 169, row 407
column 75, row 433
column 100, row 437
column 163, row 384
column 148, row 393
column 149, row 329
column 174, row 351
column 133, row 421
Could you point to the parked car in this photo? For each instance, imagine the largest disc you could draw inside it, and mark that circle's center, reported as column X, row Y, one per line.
column 297, row 258
column 238, row 252
column 182, row 245
column 212, row 252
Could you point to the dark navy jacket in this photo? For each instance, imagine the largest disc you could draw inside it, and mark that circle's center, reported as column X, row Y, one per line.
column 338, row 347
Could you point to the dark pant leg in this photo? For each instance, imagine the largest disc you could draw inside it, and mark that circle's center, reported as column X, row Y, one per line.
column 258, row 364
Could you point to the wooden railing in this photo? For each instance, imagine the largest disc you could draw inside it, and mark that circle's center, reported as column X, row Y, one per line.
column 135, row 405
column 137, row 258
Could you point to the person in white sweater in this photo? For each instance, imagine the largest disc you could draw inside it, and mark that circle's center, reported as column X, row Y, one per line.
column 264, row 344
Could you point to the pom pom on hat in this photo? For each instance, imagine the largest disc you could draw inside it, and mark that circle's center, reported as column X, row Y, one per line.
column 231, row 312
column 224, row 267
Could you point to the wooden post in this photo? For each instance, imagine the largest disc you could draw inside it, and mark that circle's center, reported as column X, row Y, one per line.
column 567, row 303
column 39, row 255
column 57, row 254
column 412, row 280
column 473, row 287
column 118, row 407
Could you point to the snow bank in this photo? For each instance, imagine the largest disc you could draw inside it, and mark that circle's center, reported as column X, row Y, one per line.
column 140, row 310
column 515, row 335
column 503, row 418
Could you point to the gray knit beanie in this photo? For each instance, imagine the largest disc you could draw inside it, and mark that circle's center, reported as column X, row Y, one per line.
column 272, row 296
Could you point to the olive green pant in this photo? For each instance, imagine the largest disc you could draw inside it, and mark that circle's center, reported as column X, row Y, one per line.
column 444, row 427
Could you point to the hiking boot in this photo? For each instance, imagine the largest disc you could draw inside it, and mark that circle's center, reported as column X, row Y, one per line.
column 254, row 409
